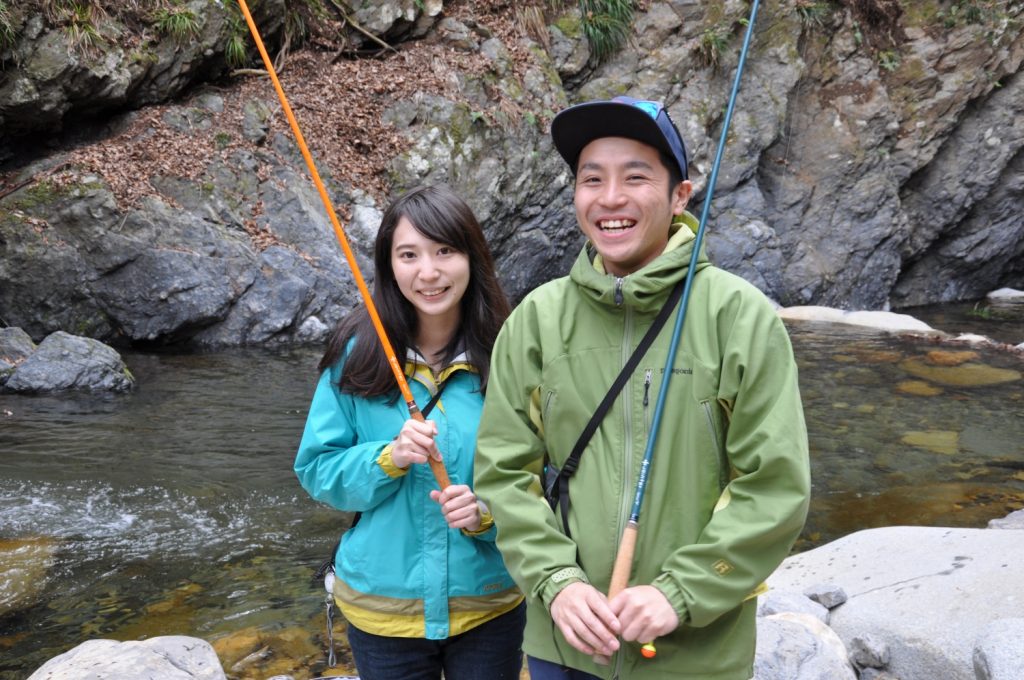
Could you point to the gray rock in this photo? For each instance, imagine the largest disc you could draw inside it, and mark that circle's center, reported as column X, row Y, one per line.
column 828, row 595
column 868, row 651
column 799, row 647
column 1015, row 520
column 821, row 140
column 999, row 651
column 65, row 362
column 172, row 657
column 779, row 601
column 457, row 34
column 876, row 674
column 15, row 346
column 925, row 592
column 49, row 82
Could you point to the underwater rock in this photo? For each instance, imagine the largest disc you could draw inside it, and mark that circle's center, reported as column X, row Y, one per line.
column 939, row 441
column 940, row 357
column 918, row 388
column 256, row 653
column 964, row 375
column 24, row 567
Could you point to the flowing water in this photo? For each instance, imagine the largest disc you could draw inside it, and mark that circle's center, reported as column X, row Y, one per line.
column 174, row 509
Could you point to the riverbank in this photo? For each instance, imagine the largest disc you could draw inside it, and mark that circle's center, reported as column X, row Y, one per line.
column 913, row 603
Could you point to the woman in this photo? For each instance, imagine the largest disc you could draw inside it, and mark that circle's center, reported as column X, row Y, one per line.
column 419, row 578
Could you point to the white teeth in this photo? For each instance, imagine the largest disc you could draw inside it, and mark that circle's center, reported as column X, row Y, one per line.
column 431, row 293
column 616, row 224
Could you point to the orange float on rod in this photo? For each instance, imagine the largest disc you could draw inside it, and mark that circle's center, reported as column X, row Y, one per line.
column 436, row 466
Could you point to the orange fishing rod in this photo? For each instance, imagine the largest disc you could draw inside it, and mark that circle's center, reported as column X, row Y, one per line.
column 436, row 466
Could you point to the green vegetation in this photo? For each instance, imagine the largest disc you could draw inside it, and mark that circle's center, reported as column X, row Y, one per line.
column 889, row 60
column 7, row 35
column 993, row 15
column 236, row 49
column 970, row 11
column 79, row 23
column 606, row 23
column 814, row 13
column 178, row 22
column 222, row 140
column 712, row 43
column 299, row 16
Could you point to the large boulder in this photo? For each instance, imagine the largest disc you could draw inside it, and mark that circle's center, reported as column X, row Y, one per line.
column 927, row 594
column 69, row 362
column 171, row 657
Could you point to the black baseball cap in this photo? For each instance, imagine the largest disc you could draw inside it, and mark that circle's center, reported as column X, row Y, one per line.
column 639, row 119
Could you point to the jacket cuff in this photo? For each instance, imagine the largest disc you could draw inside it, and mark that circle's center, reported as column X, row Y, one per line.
column 558, row 582
column 486, row 520
column 668, row 587
column 387, row 464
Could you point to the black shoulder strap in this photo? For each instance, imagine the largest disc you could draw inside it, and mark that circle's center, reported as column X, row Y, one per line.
column 328, row 564
column 557, row 491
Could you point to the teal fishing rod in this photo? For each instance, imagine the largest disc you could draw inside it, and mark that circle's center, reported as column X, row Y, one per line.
column 627, row 546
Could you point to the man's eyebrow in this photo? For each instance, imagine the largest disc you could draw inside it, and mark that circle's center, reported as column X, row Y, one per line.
column 633, row 164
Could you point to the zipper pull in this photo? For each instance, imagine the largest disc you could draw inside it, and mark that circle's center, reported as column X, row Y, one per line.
column 647, row 386
column 618, row 291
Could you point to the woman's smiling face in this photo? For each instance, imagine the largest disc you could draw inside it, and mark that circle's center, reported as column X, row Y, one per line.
column 432, row 276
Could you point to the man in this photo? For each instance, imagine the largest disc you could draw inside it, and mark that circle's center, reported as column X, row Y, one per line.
column 729, row 484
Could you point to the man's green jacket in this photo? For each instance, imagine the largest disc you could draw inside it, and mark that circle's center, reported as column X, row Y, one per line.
column 729, row 484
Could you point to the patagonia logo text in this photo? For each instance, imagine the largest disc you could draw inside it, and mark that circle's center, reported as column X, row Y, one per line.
column 679, row 371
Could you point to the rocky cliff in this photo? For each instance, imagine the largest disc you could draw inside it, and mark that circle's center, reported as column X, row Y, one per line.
column 153, row 193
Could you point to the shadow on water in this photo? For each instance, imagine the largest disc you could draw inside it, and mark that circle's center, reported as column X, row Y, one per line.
column 174, row 509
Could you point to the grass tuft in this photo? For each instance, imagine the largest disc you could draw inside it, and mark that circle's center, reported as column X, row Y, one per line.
column 178, row 22
column 606, row 24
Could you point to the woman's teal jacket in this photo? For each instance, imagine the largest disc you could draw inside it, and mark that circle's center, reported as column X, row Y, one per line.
column 401, row 571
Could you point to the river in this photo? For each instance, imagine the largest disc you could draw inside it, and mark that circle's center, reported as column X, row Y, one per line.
column 174, row 509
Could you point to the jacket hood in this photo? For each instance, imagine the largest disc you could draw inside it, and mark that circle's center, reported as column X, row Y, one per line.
column 645, row 288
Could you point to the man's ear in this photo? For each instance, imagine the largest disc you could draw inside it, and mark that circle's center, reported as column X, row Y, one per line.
column 681, row 196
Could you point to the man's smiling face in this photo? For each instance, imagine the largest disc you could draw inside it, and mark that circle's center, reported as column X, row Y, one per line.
column 623, row 202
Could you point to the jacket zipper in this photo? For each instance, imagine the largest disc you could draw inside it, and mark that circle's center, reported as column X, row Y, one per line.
column 723, row 466
column 647, row 394
column 625, row 495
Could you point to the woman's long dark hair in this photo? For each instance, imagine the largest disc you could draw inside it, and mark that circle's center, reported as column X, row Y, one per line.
column 440, row 215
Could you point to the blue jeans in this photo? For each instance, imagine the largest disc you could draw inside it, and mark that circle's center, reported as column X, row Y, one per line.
column 545, row 670
column 491, row 651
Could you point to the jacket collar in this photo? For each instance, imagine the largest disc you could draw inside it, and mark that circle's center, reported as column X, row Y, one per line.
column 646, row 288
column 417, row 367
